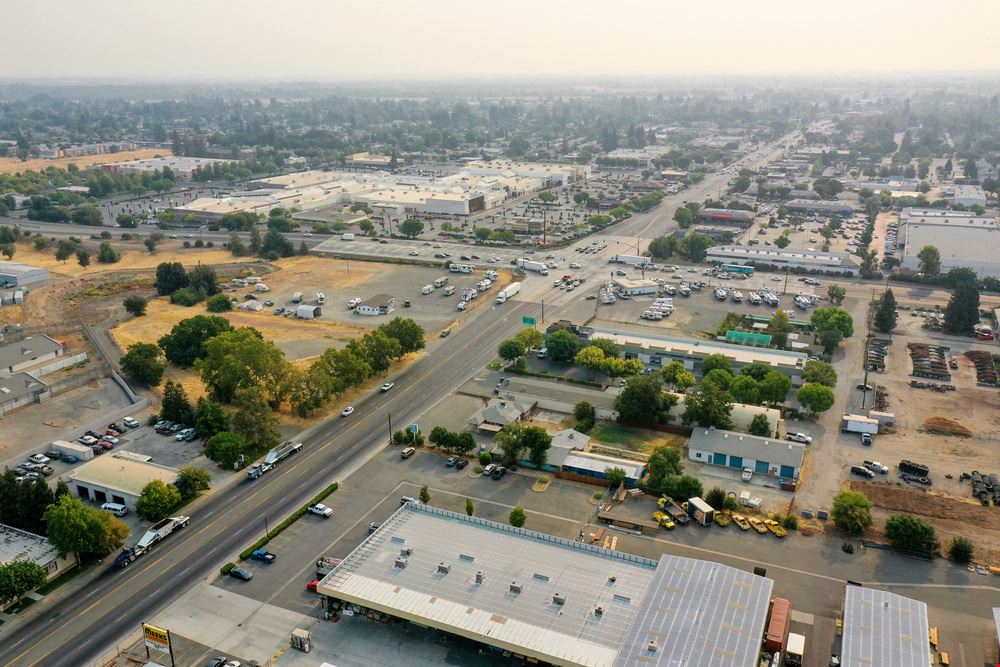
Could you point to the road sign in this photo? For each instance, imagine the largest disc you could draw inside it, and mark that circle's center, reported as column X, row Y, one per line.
column 413, row 428
column 156, row 638
column 529, row 321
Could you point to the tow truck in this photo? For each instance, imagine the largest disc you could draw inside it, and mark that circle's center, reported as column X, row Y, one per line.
column 157, row 532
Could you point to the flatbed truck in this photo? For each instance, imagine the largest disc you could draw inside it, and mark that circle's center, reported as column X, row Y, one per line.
column 157, row 532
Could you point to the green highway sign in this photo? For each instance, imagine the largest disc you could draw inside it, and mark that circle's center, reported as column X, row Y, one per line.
column 530, row 321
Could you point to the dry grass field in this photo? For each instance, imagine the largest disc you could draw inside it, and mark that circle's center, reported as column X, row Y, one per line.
column 132, row 259
column 12, row 165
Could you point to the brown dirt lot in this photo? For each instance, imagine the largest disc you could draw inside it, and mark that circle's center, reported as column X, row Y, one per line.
column 951, row 517
column 12, row 165
column 131, row 259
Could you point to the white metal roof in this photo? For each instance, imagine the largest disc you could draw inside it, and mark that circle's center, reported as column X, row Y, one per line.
column 20, row 545
column 529, row 622
column 882, row 628
column 599, row 463
column 699, row 614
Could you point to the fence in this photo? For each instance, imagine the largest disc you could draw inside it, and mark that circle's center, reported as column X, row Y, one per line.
column 78, row 380
column 59, row 363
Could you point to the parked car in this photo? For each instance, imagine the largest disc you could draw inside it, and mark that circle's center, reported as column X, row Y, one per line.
column 40, row 459
column 181, row 435
column 313, row 586
column 799, row 437
column 177, row 427
column 106, row 446
column 241, row 573
column 131, row 423
column 53, row 455
column 866, row 439
column 862, row 471
column 488, row 470
column 407, row 453
column 498, row 472
column 70, row 459
column 218, row 661
column 461, row 464
column 372, row 527
column 264, row 555
column 445, row 333
column 877, row 467
column 88, row 440
column 110, row 438
column 113, row 432
column 319, row 509
column 452, row 460
column 406, row 499
column 97, row 448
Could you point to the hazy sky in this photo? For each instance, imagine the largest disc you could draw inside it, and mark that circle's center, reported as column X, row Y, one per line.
column 399, row 39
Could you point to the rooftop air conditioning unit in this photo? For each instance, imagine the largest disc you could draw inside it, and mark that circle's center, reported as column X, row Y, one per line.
column 558, row 599
column 479, row 577
column 401, row 563
column 406, row 552
column 443, row 569
column 515, row 587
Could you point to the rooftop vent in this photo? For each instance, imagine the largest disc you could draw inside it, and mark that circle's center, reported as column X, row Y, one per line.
column 515, row 587
column 406, row 552
column 599, row 612
column 479, row 577
column 612, row 579
column 401, row 563
column 443, row 569
column 652, row 647
column 558, row 599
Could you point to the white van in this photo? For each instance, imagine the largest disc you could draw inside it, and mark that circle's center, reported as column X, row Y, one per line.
column 115, row 508
column 542, row 353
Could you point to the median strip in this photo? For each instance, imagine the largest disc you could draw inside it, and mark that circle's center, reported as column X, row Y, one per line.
column 245, row 554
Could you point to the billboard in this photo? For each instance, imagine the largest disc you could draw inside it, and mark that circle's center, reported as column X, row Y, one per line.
column 156, row 638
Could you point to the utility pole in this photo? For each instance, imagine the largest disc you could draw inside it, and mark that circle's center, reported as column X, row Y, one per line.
column 390, row 425
column 868, row 341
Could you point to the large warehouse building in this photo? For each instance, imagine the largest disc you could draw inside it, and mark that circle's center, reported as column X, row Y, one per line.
column 115, row 479
column 15, row 274
column 882, row 628
column 184, row 168
column 964, row 239
column 776, row 258
column 560, row 602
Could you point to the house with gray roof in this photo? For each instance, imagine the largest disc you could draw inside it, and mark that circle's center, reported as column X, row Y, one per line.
column 497, row 413
column 25, row 353
column 764, row 456
column 20, row 389
column 18, row 545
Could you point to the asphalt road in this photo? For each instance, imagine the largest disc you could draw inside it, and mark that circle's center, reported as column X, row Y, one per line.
column 79, row 629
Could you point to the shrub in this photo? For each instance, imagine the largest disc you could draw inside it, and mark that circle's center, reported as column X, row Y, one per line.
column 219, row 303
column 960, row 550
column 227, row 568
column 791, row 522
column 186, row 296
column 478, row 470
column 731, row 504
column 485, row 458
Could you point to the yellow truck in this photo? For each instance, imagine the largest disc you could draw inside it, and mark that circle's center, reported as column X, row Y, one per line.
column 740, row 521
column 775, row 527
column 664, row 520
column 757, row 524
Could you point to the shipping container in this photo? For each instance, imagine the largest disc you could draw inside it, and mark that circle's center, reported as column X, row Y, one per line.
column 777, row 625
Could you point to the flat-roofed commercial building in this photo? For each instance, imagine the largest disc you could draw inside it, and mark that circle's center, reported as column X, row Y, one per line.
column 882, row 628
column 28, row 352
column 658, row 350
column 18, row 545
column 110, row 479
column 776, row 258
column 821, row 207
column 559, row 601
column 16, row 274
column 726, row 216
column 764, row 456
column 184, row 168
column 964, row 239
column 550, row 174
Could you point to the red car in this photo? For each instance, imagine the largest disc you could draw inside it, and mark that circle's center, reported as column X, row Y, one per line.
column 113, row 432
column 106, row 445
column 313, row 585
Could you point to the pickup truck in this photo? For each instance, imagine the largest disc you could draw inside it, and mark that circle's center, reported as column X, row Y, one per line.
column 264, row 555
column 319, row 509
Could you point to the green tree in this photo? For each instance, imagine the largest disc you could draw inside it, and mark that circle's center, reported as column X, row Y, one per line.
column 744, row 389
column 713, row 361
column 819, row 371
column 719, row 377
column 240, row 359
column 170, row 277
column 411, row 227
column 517, row 517
column 225, row 448
column 783, row 241
column 18, row 577
column 756, row 370
column 760, row 425
column 609, row 347
column 816, row 397
column 8, row 250
column 175, row 406
column 65, row 249
column 377, row 349
column 929, row 259
column 664, row 462
column 852, row 512
column 510, row 350
column 83, row 258
column 204, row 279
column 126, row 220
column 143, row 362
column 563, row 346
column 210, row 418
column 530, row 337
column 367, row 227
column 157, row 500
column 710, row 405
column 548, row 197
column 643, row 401
column 187, row 296
column 254, row 419
column 683, row 487
column 88, row 215
column 833, row 325
column 614, row 477
column 220, row 303
column 191, row 481
column 469, row 507
column 591, row 358
column 614, row 367
column 960, row 550
column 409, row 334
column 778, row 328
column 425, row 495
column 962, row 311
column 837, row 294
column 827, row 188
column 716, row 498
column 683, row 217
column 107, row 254
column 236, row 246
column 187, row 339
column 907, row 532
column 347, row 369
column 676, row 375
column 256, row 242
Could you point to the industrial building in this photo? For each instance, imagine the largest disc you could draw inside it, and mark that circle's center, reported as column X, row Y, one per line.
column 28, row 352
column 764, row 456
column 820, row 207
column 636, row 287
column 656, row 350
column 776, row 258
column 17, row 545
column 116, row 480
column 882, row 628
column 560, row 602
column 725, row 216
column 963, row 239
column 966, row 195
column 550, row 174
column 368, row 160
column 15, row 274
column 183, row 168
column 19, row 390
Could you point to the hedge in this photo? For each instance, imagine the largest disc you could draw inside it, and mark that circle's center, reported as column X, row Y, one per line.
column 245, row 554
column 227, row 568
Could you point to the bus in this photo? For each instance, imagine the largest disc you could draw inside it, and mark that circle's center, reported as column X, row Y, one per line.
column 737, row 268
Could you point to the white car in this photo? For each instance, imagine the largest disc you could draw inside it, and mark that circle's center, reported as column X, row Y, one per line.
column 131, row 423
column 799, row 437
column 775, row 279
column 39, row 459
column 387, row 386
column 574, row 265
column 319, row 509
column 348, row 411
column 877, row 467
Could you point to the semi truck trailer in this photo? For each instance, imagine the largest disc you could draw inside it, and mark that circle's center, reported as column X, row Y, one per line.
column 508, row 291
column 157, row 532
